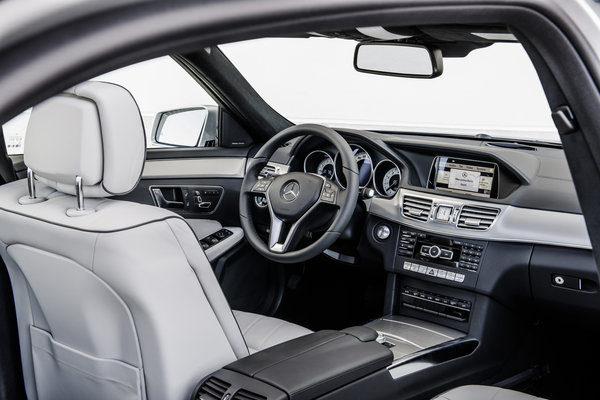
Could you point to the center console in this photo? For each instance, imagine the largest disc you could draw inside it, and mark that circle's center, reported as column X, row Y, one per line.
column 304, row 368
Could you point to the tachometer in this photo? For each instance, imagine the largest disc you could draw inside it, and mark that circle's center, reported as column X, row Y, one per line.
column 387, row 178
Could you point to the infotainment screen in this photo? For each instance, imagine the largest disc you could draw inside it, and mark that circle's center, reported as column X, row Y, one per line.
column 465, row 176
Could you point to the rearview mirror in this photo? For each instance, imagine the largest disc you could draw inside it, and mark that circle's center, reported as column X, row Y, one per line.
column 182, row 127
column 398, row 59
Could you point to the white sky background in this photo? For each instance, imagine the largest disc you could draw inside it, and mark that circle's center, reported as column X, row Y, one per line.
column 493, row 90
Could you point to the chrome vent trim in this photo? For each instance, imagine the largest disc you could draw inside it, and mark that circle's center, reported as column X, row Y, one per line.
column 415, row 207
column 476, row 217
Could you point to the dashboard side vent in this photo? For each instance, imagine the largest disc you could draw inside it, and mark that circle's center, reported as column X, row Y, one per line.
column 243, row 394
column 212, row 389
column 479, row 218
column 416, row 207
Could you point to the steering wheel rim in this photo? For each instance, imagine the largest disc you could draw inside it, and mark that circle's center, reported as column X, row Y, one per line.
column 343, row 199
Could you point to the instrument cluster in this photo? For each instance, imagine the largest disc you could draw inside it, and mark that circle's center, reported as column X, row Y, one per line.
column 384, row 176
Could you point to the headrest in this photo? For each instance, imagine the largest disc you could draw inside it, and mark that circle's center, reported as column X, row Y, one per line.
column 93, row 130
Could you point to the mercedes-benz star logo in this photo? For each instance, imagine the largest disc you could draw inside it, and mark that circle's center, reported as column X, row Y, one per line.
column 290, row 191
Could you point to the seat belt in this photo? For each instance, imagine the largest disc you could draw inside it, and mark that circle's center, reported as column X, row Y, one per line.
column 7, row 171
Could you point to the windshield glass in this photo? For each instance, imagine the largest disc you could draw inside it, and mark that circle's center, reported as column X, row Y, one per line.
column 494, row 90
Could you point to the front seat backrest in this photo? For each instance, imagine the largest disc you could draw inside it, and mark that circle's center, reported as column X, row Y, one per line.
column 114, row 299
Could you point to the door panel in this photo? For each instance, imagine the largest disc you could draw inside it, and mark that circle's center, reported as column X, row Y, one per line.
column 225, row 211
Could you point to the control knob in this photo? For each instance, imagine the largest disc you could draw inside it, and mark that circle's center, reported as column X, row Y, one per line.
column 434, row 252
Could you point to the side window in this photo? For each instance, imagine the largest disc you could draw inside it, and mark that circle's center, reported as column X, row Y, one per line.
column 174, row 107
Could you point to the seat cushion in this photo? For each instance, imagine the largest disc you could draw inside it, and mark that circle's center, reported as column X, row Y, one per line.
column 479, row 392
column 261, row 332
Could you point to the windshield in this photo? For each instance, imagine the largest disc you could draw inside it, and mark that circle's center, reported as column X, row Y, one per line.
column 494, row 90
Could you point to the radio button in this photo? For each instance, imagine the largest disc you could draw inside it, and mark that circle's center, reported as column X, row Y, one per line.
column 406, row 265
column 441, row 274
column 446, row 254
column 422, row 269
column 450, row 276
column 459, row 278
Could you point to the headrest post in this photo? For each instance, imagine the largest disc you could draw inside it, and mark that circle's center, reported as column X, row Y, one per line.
column 79, row 193
column 31, row 183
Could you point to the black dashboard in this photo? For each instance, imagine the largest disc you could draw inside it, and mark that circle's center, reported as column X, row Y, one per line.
column 450, row 217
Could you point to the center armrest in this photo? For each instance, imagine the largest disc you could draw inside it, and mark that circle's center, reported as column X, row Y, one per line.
column 315, row 364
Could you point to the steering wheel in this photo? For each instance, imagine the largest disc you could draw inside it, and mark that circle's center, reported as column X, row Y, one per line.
column 295, row 198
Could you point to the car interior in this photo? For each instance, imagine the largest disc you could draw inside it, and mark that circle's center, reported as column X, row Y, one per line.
column 227, row 252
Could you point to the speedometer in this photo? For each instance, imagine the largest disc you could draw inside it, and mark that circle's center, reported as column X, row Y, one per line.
column 386, row 178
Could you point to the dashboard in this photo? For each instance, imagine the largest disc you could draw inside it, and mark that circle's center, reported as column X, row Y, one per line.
column 450, row 213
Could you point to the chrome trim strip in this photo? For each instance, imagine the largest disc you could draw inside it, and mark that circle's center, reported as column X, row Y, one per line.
column 79, row 193
column 208, row 167
column 513, row 224
column 418, row 327
column 31, row 183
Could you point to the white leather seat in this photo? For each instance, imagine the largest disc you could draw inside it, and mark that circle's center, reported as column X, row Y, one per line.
column 261, row 332
column 480, row 392
column 116, row 300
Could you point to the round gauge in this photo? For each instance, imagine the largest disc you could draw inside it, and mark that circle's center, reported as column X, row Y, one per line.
column 320, row 162
column 326, row 168
column 387, row 177
column 391, row 181
column 365, row 166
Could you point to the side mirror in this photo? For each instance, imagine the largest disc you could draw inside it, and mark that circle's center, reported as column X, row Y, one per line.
column 398, row 59
column 182, row 127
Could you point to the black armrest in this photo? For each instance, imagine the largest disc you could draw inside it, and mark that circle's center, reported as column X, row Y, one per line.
column 315, row 364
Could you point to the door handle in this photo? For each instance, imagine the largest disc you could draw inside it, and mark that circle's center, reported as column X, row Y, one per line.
column 164, row 203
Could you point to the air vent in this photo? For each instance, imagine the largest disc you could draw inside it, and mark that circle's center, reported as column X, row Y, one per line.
column 416, row 207
column 243, row 394
column 479, row 218
column 212, row 389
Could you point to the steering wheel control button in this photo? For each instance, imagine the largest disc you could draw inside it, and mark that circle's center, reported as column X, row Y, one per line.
column 329, row 193
column 383, row 232
column 290, row 191
column 262, row 185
